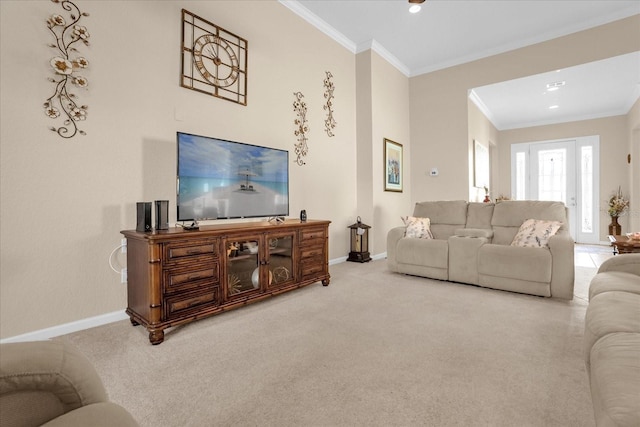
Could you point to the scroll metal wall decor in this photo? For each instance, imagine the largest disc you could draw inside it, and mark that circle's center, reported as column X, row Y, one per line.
column 300, row 107
column 67, row 64
column 329, row 122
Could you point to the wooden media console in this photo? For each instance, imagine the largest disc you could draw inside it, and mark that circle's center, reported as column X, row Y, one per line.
column 177, row 276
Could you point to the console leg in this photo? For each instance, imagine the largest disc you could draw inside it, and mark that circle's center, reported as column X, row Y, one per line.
column 133, row 321
column 156, row 336
column 326, row 282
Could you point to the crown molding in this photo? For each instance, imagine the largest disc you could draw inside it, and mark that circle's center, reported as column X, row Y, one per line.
column 473, row 96
column 564, row 119
column 386, row 55
column 319, row 23
column 327, row 29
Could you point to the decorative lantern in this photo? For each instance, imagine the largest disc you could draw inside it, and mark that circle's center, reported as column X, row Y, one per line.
column 359, row 242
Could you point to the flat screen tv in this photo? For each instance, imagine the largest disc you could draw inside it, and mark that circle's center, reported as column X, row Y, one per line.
column 219, row 179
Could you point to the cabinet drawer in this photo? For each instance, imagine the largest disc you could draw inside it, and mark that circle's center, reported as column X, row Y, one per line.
column 312, row 268
column 179, row 279
column 181, row 305
column 312, row 252
column 312, row 236
column 186, row 250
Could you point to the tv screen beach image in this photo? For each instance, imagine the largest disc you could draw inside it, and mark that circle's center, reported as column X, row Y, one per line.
column 224, row 179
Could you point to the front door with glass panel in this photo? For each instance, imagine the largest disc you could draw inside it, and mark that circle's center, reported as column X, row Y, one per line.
column 561, row 170
column 553, row 175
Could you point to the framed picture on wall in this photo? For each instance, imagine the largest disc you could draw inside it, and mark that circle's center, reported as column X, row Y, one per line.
column 393, row 167
column 480, row 165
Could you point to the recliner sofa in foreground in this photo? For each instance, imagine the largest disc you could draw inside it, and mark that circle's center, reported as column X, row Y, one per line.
column 50, row 383
column 612, row 342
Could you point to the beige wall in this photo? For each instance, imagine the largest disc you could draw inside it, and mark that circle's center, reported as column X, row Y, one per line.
column 383, row 112
column 390, row 118
column 64, row 202
column 482, row 130
column 439, row 105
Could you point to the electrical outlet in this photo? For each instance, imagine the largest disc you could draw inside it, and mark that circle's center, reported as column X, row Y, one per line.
column 123, row 276
column 123, row 247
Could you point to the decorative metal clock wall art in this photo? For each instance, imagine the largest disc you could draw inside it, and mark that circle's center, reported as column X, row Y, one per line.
column 214, row 60
column 67, row 64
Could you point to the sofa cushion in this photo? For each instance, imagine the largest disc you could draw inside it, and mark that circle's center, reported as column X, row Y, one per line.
column 445, row 216
column 424, row 252
column 614, row 281
column 61, row 370
column 629, row 263
column 610, row 312
column 103, row 414
column 615, row 379
column 512, row 262
column 417, row 227
column 509, row 215
column 479, row 215
column 535, row 233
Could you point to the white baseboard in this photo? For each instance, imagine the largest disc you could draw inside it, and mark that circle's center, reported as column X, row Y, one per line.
column 103, row 319
column 383, row 255
column 337, row 260
column 67, row 328
column 344, row 258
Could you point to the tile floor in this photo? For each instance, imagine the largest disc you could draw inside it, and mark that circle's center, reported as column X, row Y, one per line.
column 588, row 259
column 592, row 255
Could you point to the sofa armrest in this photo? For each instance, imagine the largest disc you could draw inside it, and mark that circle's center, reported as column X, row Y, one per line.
column 42, row 380
column 475, row 232
column 628, row 263
column 562, row 246
column 393, row 237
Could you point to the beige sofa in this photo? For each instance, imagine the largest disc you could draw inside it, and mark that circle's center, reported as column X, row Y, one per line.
column 50, row 383
column 472, row 244
column 612, row 342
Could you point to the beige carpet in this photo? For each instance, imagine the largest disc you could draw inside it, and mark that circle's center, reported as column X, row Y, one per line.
column 372, row 349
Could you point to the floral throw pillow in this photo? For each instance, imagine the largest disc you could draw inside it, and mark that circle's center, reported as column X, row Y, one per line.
column 419, row 228
column 535, row 233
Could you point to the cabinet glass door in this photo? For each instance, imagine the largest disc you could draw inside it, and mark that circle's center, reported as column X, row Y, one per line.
column 243, row 266
column 281, row 264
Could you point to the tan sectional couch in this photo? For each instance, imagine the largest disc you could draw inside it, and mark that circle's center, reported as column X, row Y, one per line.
column 472, row 244
column 612, row 342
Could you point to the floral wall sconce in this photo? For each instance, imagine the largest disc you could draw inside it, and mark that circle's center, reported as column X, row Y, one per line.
column 300, row 107
column 329, row 122
column 67, row 64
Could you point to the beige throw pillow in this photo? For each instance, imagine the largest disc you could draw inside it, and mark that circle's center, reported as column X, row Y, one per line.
column 535, row 233
column 419, row 228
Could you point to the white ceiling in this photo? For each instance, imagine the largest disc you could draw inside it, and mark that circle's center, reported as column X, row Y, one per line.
column 451, row 32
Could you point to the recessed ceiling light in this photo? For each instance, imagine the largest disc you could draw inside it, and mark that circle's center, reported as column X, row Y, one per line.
column 555, row 86
column 553, row 107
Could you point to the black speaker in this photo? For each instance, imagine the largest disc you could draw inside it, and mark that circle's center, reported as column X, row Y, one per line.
column 144, row 216
column 162, row 214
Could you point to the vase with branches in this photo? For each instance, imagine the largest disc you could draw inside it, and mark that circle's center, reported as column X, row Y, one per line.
column 618, row 206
